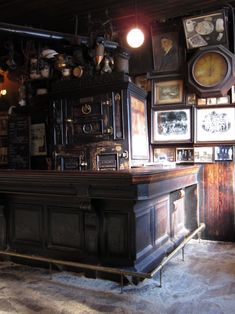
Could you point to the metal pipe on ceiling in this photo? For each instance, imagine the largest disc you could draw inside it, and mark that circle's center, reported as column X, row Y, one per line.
column 46, row 34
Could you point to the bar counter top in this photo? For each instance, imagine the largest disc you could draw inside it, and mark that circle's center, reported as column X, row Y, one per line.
column 135, row 182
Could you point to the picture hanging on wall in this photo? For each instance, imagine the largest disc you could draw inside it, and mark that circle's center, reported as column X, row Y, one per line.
column 215, row 124
column 171, row 126
column 205, row 30
column 203, row 154
column 223, row 153
column 168, row 92
column 184, row 154
column 167, row 50
column 164, row 154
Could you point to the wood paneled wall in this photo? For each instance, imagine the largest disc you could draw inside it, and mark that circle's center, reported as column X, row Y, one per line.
column 217, row 207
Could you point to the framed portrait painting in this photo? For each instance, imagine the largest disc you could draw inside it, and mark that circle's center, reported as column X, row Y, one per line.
column 167, row 49
column 171, row 126
column 215, row 124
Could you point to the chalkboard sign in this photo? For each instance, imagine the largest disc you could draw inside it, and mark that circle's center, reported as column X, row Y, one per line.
column 18, row 149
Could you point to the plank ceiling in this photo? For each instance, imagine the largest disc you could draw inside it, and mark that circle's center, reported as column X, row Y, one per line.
column 60, row 15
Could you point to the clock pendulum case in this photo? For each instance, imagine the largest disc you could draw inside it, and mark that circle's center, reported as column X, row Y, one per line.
column 211, row 71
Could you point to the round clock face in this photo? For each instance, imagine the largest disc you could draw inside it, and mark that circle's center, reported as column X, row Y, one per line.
column 210, row 69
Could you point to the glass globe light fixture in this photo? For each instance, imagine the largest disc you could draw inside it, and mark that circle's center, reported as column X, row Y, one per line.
column 135, row 37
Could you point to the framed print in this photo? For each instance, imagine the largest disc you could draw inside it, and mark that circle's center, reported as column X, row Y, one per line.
column 211, row 101
column 215, row 124
column 142, row 82
column 164, row 154
column 225, row 100
column 168, row 92
column 171, row 126
column 201, row 101
column 139, row 129
column 191, row 99
column 184, row 154
column 223, row 153
column 205, row 30
column 203, row 154
column 167, row 50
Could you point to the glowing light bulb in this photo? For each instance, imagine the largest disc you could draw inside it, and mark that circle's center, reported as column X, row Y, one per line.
column 135, row 38
column 3, row 92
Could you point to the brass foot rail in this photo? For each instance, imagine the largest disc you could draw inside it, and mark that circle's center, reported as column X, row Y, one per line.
column 118, row 271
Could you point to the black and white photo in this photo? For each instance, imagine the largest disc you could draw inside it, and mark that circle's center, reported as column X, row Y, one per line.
column 172, row 125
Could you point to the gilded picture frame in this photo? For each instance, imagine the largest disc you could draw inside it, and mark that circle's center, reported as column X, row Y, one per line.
column 168, row 92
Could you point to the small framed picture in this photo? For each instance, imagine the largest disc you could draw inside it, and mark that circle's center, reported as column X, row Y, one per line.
column 206, row 30
column 184, row 154
column 203, row 154
column 223, row 153
column 201, row 101
column 225, row 100
column 168, row 92
column 211, row 101
column 171, row 126
column 164, row 154
column 191, row 99
column 215, row 125
column 142, row 82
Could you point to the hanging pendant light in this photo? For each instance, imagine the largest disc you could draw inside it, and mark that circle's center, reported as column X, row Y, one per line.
column 135, row 37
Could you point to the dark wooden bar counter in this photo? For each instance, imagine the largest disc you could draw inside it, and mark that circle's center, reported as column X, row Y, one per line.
column 126, row 219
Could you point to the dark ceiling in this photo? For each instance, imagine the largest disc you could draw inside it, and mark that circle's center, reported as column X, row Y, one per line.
column 60, row 15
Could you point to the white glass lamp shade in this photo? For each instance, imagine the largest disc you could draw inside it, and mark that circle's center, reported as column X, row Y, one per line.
column 135, row 38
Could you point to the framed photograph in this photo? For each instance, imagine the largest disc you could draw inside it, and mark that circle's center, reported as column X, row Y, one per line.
column 167, row 50
column 191, row 99
column 164, row 154
column 168, row 92
column 142, row 82
column 171, row 126
column 223, row 153
column 225, row 100
column 211, row 101
column 139, row 129
column 201, row 101
column 184, row 155
column 206, row 30
column 203, row 154
column 215, row 124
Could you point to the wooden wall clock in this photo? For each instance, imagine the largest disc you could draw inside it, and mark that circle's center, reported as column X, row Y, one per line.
column 211, row 71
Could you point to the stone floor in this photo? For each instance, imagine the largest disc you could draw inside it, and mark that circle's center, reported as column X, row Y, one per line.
column 204, row 283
